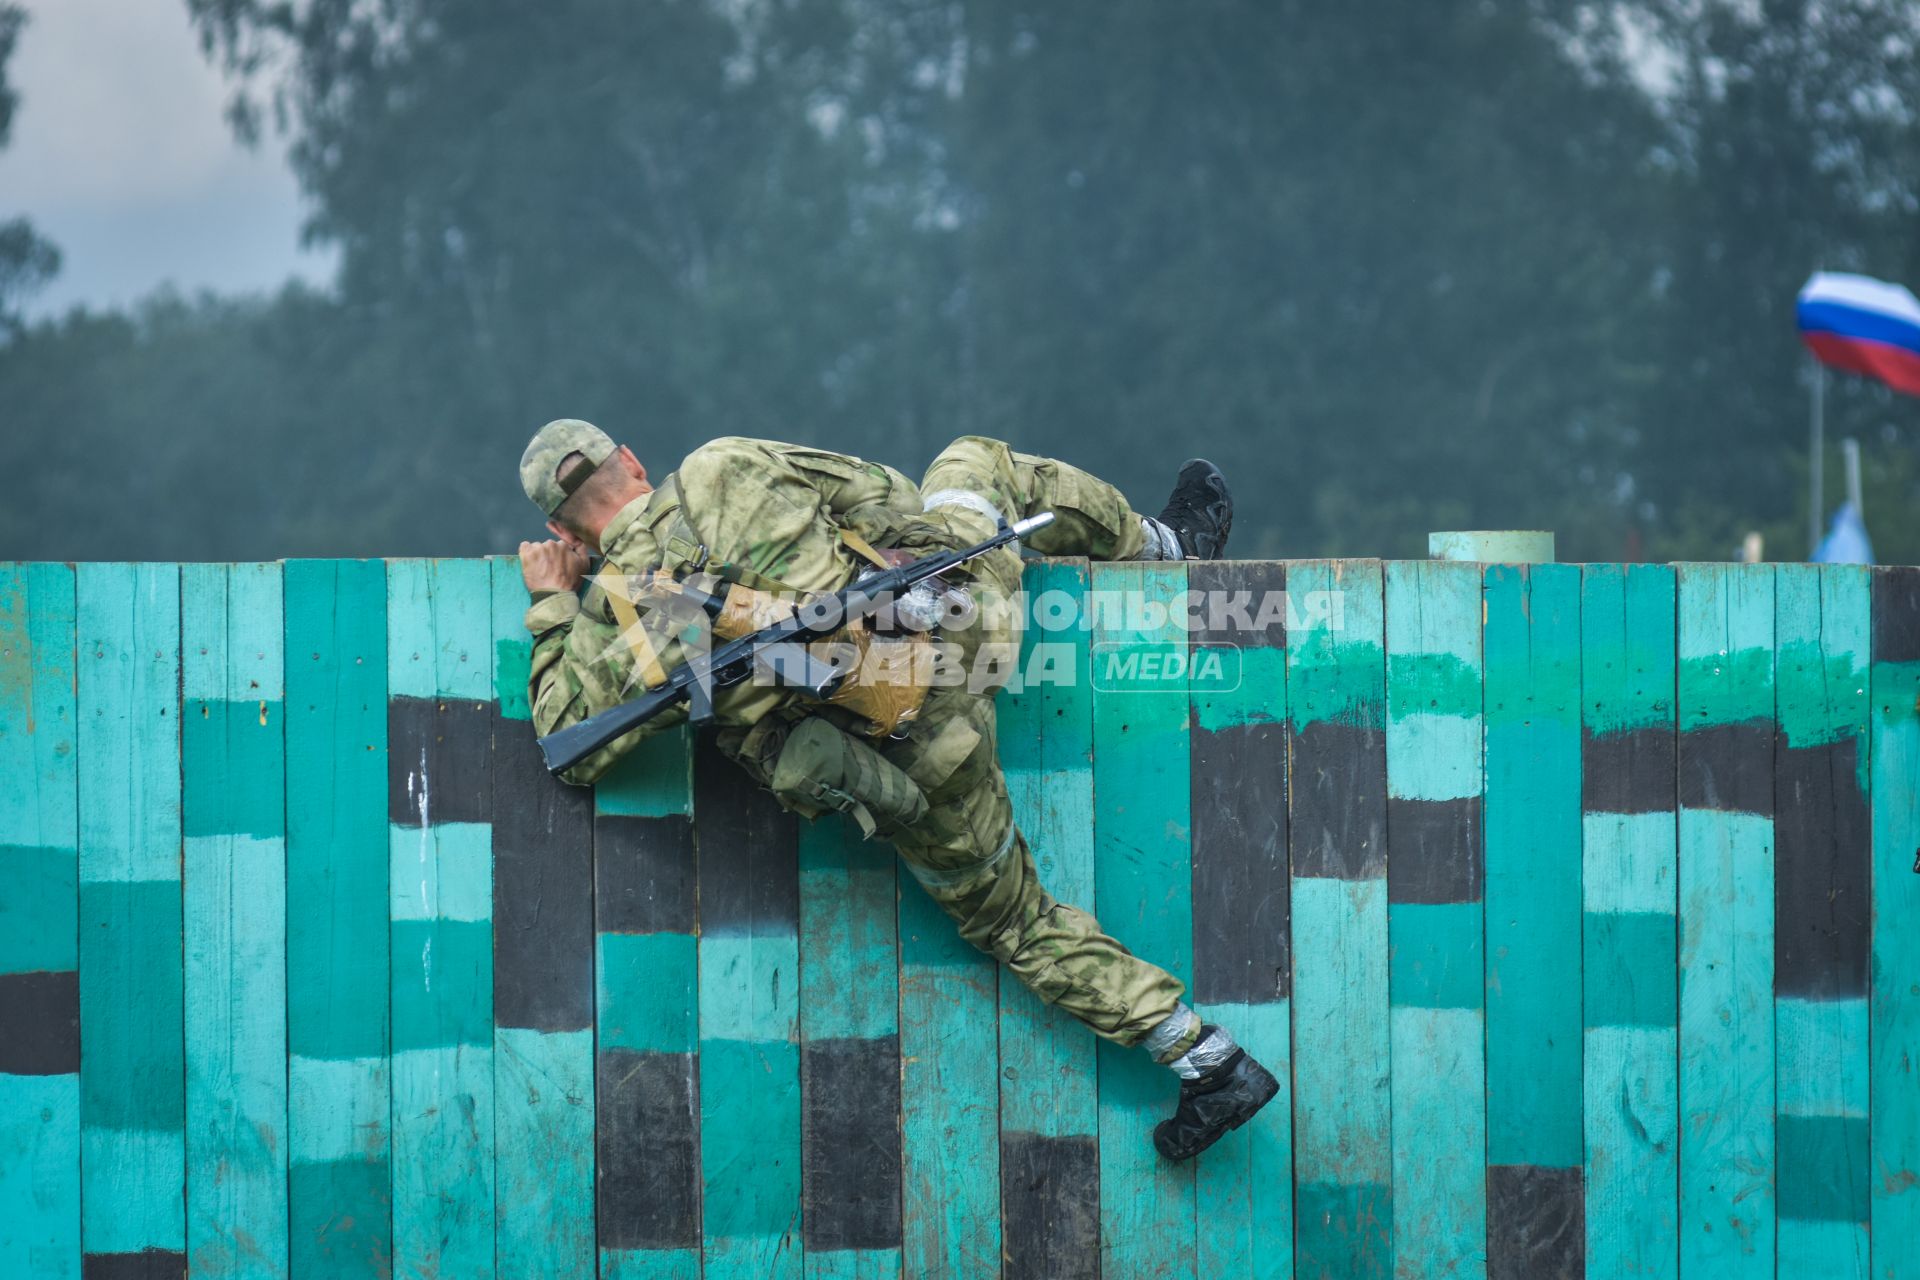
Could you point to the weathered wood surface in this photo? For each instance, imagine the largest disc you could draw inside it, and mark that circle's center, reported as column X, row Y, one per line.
column 1574, row 906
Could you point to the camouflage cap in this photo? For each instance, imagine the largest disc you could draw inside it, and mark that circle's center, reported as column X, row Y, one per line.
column 549, row 447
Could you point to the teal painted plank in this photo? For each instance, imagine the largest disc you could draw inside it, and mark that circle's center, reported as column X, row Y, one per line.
column 340, row 1186
column 653, row 780
column 440, row 646
column 646, row 1001
column 647, row 998
column 749, row 1122
column 1046, row 745
column 39, row 905
column 649, row 1264
column 1437, row 964
column 854, row 1264
column 1343, row 1150
column 543, row 1078
column 40, row 1176
column 440, row 629
column 1821, row 640
column 1143, row 892
column 1725, row 708
column 1243, row 1193
column 1243, row 1201
column 543, row 1136
column 235, row 910
column 1827, row 1249
column 132, row 1072
column 1435, row 739
column 39, row 871
column 1533, row 866
column 749, row 1007
column 849, row 945
column 1894, row 1014
column 949, row 1095
column 1630, row 861
column 849, row 990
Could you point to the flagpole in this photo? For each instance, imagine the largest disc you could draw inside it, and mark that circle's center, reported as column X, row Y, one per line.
column 1816, row 459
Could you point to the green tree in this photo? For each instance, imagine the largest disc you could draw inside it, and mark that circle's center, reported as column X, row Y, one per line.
column 27, row 261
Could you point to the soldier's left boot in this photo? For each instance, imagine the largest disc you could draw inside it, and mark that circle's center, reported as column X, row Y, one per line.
column 1216, row 1099
column 1198, row 516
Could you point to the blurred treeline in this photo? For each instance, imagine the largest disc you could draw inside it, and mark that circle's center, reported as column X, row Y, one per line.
column 1396, row 268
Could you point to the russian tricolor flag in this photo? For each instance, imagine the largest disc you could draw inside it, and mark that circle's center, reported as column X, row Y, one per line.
column 1864, row 326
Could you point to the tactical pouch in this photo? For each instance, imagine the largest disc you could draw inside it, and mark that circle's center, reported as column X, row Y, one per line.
column 821, row 768
column 888, row 678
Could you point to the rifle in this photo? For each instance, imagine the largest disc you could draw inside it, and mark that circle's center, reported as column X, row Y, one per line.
column 778, row 651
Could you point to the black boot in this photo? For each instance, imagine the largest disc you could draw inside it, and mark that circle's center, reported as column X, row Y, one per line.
column 1222, row 1098
column 1200, row 510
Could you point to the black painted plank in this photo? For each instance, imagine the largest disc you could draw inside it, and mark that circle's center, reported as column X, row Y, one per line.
column 1339, row 789
column 1536, row 1223
column 749, row 869
column 1728, row 767
column 40, row 1023
column 646, row 1146
column 644, row 873
column 1050, row 1207
column 1436, row 851
column 1630, row 772
column 1821, row 869
column 148, row 1264
column 1239, row 603
column 1896, row 614
column 438, row 766
column 542, row 889
column 1242, row 931
column 850, row 1143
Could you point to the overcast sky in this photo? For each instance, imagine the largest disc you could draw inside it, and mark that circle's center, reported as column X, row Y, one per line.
column 121, row 156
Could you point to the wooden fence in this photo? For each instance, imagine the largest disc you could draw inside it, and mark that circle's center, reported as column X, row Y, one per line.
column 1575, row 907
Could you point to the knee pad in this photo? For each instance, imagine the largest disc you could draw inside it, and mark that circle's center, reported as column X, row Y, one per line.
column 821, row 768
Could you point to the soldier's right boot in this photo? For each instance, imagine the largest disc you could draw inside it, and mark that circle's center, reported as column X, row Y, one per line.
column 1216, row 1099
column 1199, row 512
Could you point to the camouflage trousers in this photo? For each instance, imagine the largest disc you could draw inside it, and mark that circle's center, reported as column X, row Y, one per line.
column 964, row 847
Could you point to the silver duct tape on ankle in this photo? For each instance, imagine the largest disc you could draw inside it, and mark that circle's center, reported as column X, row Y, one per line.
column 963, row 498
column 1210, row 1051
column 1169, row 1031
column 935, row 878
column 1161, row 543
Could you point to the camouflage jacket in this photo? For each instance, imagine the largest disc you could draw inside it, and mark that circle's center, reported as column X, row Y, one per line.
column 768, row 513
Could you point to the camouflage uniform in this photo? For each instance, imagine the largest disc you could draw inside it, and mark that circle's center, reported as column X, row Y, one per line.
column 776, row 511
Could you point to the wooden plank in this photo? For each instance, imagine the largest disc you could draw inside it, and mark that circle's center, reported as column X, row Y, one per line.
column 339, row 1108
column 439, row 793
column 1342, row 1087
column 132, row 1073
column 1242, row 928
column 233, row 756
column 949, row 1095
column 543, row 952
column 646, row 1018
column 1725, row 708
column 1049, row 1119
column 1894, row 1033
column 849, row 1054
column 1143, row 887
column 1822, row 911
column 1630, row 858
column 1435, row 917
column 39, row 926
column 1535, row 1201
column 749, row 952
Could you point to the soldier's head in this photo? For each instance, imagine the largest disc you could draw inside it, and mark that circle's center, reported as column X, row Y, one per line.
column 580, row 479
